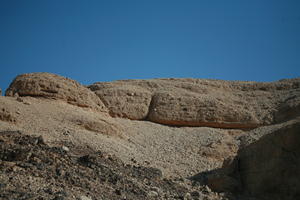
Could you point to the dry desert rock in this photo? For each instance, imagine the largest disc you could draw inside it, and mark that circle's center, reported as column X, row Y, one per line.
column 267, row 168
column 54, row 86
column 201, row 102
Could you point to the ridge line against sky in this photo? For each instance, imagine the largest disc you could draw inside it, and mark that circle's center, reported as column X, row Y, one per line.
column 92, row 41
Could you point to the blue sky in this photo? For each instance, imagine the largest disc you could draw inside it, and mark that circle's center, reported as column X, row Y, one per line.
column 98, row 40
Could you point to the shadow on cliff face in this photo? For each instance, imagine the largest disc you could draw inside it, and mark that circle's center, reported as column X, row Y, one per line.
column 267, row 169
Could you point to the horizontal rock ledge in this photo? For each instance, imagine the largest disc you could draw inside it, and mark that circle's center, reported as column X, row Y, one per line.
column 207, row 124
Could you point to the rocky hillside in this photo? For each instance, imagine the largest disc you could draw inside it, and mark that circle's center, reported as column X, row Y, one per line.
column 33, row 170
column 149, row 139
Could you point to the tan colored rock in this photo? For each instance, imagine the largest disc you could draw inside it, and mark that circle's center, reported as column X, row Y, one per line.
column 288, row 109
column 6, row 115
column 54, row 86
column 201, row 102
column 272, row 164
column 186, row 109
column 125, row 101
column 179, row 102
column 100, row 126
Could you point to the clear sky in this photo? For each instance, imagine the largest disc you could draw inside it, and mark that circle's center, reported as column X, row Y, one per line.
column 97, row 40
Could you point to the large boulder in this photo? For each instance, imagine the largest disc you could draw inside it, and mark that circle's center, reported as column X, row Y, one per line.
column 268, row 167
column 272, row 164
column 125, row 101
column 187, row 109
column 201, row 102
column 56, row 87
column 289, row 108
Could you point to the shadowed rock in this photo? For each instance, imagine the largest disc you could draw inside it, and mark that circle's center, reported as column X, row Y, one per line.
column 268, row 168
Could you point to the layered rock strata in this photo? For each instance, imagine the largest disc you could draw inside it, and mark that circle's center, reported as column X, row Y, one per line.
column 178, row 102
column 200, row 102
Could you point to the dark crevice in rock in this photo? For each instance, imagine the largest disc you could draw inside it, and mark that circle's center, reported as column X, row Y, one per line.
column 150, row 108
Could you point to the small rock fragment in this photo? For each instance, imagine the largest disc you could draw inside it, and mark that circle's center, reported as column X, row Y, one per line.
column 65, row 148
column 85, row 198
column 195, row 194
column 152, row 194
column 118, row 192
column 207, row 189
column 27, row 103
column 59, row 198
column 187, row 196
column 19, row 99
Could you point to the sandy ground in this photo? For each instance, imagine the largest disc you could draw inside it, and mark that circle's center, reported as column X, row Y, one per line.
column 177, row 151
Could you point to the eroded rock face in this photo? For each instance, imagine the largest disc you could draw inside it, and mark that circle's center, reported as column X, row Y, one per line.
column 200, row 102
column 179, row 102
column 288, row 109
column 125, row 101
column 272, row 164
column 53, row 86
column 269, row 167
column 184, row 109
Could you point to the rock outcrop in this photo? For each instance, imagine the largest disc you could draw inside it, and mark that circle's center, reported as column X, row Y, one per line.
column 179, row 102
column 200, row 102
column 184, row 109
column 125, row 101
column 53, row 86
column 268, row 167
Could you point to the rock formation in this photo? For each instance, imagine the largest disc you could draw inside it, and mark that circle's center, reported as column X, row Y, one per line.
column 267, row 168
column 272, row 164
column 53, row 86
column 179, row 102
column 123, row 100
column 252, row 128
column 200, row 102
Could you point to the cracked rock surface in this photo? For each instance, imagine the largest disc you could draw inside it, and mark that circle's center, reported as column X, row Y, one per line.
column 201, row 102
